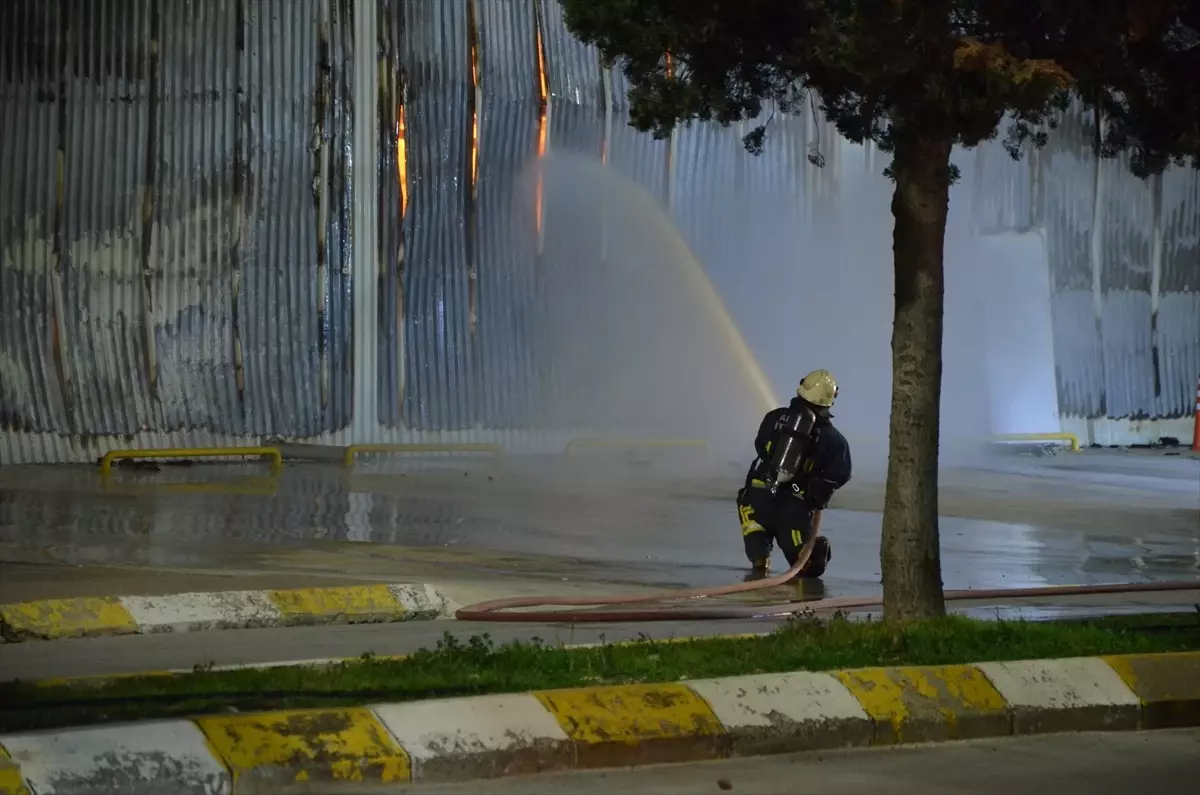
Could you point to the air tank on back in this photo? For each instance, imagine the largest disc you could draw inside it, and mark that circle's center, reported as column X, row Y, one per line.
column 791, row 447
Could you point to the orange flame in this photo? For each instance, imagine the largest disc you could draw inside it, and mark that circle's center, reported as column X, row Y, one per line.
column 401, row 160
column 543, row 126
column 543, row 80
column 474, row 115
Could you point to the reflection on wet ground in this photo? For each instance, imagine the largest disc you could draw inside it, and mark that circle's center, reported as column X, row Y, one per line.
column 558, row 520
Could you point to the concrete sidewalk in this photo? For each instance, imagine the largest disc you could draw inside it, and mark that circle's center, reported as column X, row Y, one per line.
column 607, row 726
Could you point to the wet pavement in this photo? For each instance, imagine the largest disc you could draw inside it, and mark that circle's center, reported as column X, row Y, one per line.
column 1010, row 522
column 526, row 526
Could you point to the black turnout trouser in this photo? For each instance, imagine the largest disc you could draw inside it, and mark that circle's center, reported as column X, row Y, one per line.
column 784, row 518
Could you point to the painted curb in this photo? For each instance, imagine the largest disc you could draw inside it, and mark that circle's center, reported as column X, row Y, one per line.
column 12, row 782
column 139, row 759
column 96, row 616
column 607, row 726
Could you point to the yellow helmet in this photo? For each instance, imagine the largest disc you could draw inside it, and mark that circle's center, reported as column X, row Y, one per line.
column 818, row 388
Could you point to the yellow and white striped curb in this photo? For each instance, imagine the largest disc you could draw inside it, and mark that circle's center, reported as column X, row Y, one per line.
column 94, row 616
column 163, row 756
column 607, row 725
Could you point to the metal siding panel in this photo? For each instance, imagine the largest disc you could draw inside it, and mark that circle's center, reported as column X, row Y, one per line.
column 279, row 270
column 508, row 57
column 292, row 317
column 392, row 216
column 638, row 157
column 635, row 155
column 1077, row 352
column 1177, row 327
column 1177, row 339
column 573, row 67
column 1125, row 281
column 572, row 249
column 624, row 281
column 707, row 186
column 1068, row 197
column 1128, row 362
column 1129, row 219
column 1113, row 374
column 757, row 221
column 31, row 390
column 439, row 357
column 193, row 287
column 779, row 191
column 1181, row 226
column 576, row 88
column 506, row 226
column 1068, row 179
column 334, row 333
column 1003, row 190
column 173, row 115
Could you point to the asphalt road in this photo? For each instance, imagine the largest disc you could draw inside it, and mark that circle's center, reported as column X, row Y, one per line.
column 1162, row 762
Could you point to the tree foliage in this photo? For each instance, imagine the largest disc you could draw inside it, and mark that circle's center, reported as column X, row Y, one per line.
column 916, row 77
column 1141, row 72
column 883, row 68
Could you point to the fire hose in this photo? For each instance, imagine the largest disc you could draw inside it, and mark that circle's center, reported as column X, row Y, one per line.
column 497, row 610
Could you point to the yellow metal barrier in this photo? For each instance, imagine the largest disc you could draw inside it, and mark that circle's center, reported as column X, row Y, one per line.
column 1071, row 439
column 192, row 452
column 633, row 444
column 353, row 450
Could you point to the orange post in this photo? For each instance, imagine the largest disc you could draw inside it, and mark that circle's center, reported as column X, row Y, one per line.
column 1196, row 425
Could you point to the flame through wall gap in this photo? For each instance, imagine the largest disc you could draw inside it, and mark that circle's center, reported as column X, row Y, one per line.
column 543, row 116
column 473, row 49
column 401, row 160
column 473, row 98
column 393, row 85
column 399, row 100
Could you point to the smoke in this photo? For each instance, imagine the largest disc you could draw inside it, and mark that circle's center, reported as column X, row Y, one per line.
column 632, row 344
column 633, row 340
column 812, row 286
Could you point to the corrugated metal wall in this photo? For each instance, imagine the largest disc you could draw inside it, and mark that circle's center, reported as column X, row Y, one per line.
column 1125, row 270
column 177, row 258
column 440, row 350
column 175, row 236
column 479, row 327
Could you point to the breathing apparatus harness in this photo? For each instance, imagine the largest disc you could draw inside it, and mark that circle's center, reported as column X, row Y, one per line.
column 792, row 445
column 791, row 453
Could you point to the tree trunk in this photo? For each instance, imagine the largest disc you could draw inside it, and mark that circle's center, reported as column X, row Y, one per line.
column 909, row 554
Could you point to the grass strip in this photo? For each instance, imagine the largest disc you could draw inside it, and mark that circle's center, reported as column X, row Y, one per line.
column 478, row 666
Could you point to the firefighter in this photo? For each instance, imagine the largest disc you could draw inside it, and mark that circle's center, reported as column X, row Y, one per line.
column 802, row 459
